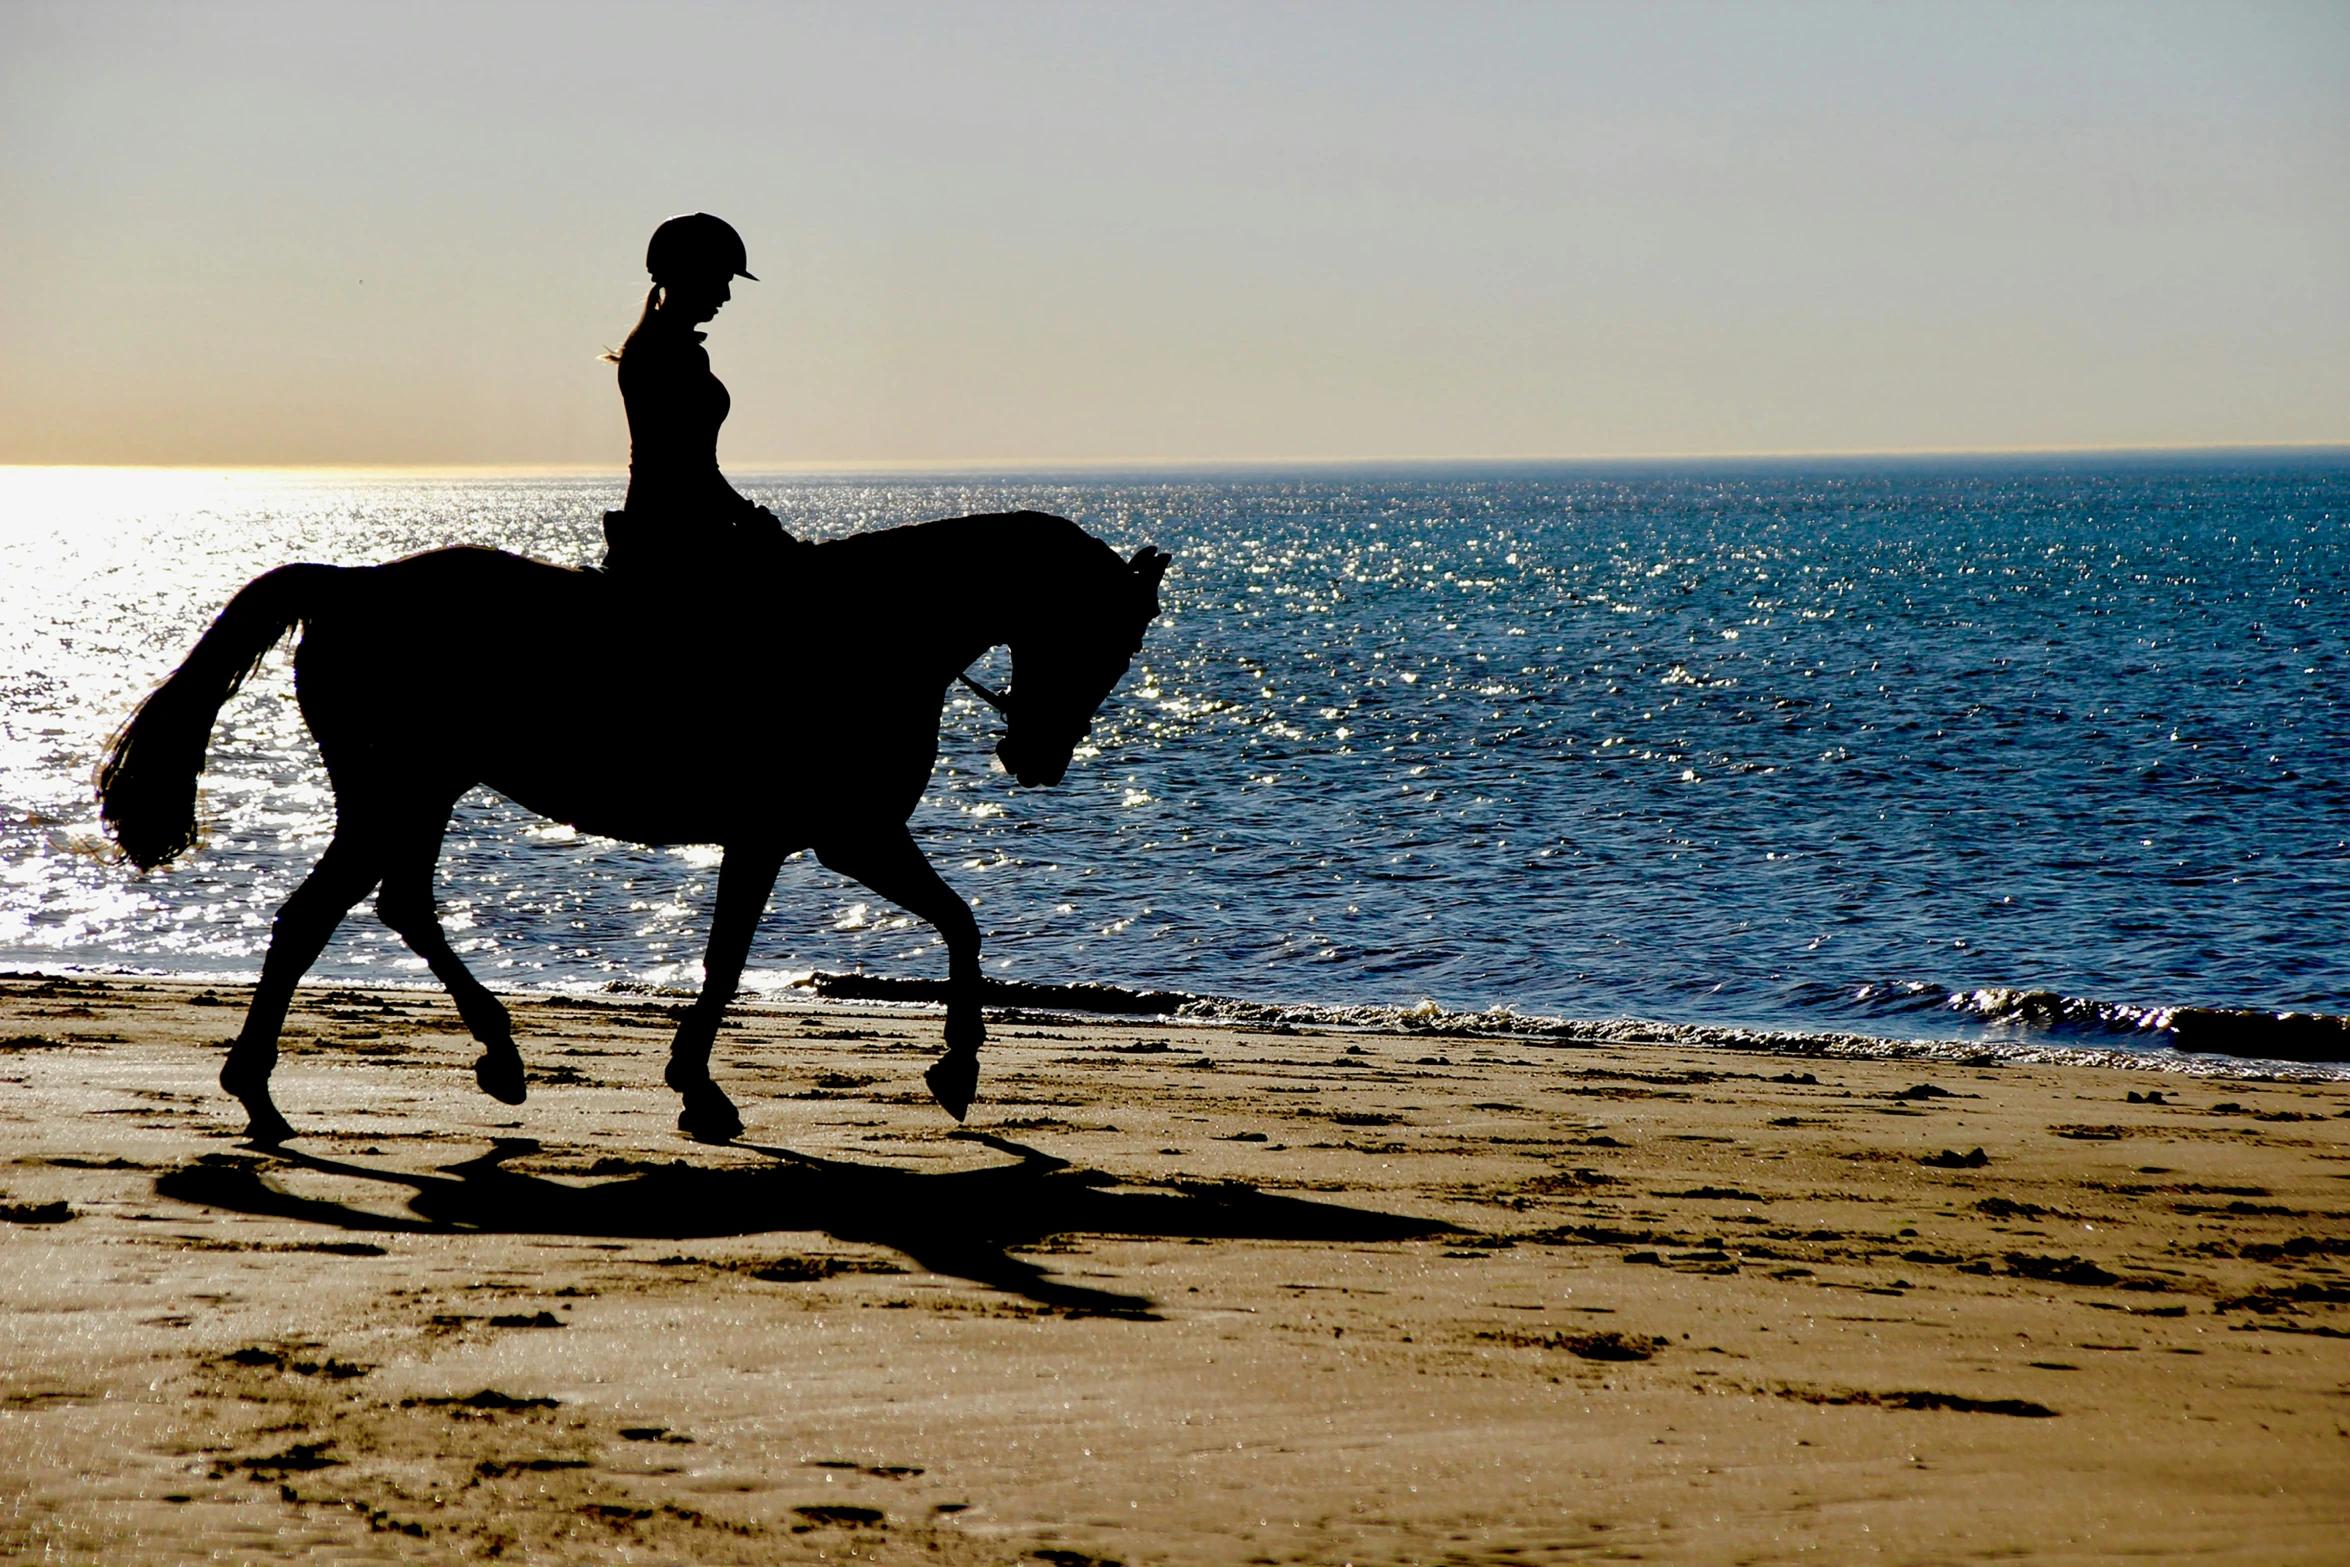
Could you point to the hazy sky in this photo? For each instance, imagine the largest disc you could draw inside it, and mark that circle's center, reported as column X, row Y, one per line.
column 401, row 233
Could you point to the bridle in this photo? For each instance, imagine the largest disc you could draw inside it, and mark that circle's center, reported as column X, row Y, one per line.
column 1001, row 701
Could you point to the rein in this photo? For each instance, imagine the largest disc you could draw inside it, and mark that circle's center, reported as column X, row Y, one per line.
column 999, row 700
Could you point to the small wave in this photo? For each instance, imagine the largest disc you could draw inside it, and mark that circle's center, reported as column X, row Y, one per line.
column 2248, row 1032
column 2150, row 1048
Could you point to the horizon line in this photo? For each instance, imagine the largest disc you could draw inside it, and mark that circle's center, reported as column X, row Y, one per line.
column 944, row 465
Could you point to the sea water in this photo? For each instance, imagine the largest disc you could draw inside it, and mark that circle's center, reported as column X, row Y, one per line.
column 1948, row 749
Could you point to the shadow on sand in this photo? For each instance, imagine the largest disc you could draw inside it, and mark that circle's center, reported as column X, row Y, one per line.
column 960, row 1223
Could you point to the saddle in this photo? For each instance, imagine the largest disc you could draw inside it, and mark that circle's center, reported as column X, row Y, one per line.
column 720, row 552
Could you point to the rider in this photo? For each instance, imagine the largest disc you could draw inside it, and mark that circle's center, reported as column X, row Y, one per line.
column 680, row 511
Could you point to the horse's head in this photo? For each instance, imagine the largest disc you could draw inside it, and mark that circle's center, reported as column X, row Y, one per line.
column 1066, row 661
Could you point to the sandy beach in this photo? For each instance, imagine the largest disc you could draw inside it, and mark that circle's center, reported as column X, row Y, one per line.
column 1176, row 1294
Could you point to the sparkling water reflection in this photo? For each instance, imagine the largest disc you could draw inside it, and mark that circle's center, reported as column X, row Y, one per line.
column 1778, row 747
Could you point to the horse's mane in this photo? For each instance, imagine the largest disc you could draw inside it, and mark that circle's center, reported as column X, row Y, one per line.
column 1051, row 549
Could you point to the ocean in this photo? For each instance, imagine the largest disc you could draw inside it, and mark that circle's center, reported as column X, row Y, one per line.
column 1986, row 750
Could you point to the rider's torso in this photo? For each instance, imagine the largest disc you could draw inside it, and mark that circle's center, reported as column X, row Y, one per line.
column 675, row 407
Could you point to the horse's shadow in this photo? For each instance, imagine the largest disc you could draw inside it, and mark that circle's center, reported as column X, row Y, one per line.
column 961, row 1223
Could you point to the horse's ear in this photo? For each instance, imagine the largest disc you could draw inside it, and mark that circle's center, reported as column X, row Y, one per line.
column 1150, row 565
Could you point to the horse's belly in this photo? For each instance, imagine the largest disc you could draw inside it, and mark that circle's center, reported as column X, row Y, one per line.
column 632, row 810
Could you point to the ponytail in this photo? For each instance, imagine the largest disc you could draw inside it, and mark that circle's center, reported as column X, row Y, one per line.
column 652, row 303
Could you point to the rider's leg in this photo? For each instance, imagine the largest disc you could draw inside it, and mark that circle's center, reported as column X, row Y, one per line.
column 406, row 905
column 299, row 933
column 887, row 861
column 745, row 877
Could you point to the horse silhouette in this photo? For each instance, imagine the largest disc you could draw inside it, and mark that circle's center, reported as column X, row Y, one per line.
column 765, row 713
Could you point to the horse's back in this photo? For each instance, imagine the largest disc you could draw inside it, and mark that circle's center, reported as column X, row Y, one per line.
column 456, row 636
column 465, row 666
column 468, row 574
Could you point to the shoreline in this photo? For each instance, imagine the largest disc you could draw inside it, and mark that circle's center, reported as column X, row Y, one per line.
column 1088, row 1002
column 1182, row 1291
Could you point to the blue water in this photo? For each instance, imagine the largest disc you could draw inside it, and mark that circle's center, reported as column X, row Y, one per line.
column 1783, row 745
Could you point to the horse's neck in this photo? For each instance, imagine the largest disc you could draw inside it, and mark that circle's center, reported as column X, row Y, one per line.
column 1013, row 570
column 954, row 589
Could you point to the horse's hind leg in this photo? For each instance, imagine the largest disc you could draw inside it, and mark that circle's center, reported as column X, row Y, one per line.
column 299, row 933
column 405, row 904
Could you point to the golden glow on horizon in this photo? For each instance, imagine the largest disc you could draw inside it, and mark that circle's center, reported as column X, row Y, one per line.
column 618, row 476
column 1194, row 235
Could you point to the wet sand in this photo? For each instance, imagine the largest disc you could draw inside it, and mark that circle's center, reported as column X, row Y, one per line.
column 1177, row 1294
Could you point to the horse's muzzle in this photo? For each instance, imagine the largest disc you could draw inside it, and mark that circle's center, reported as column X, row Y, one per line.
column 1035, row 768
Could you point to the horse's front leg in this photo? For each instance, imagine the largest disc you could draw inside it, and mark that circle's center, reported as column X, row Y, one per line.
column 745, row 877
column 886, row 860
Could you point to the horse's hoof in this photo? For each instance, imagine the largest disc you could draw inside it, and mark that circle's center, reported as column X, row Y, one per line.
column 501, row 1078
column 710, row 1119
column 266, row 1128
column 954, row 1081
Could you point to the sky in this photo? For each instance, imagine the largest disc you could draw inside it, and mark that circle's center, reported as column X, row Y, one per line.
column 402, row 234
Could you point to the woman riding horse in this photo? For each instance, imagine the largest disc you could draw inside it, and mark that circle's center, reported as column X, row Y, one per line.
column 424, row 677
column 390, row 673
column 681, row 514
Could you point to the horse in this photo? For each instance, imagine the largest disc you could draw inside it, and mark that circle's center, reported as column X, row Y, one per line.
column 627, row 708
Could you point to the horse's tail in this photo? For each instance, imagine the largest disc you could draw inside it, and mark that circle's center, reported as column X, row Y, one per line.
column 147, row 786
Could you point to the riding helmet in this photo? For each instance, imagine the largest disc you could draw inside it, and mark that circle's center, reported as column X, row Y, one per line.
column 696, row 244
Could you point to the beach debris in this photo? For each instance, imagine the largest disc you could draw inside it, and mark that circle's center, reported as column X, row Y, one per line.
column 300, row 1456
column 1575, row 1180
column 1605, row 1344
column 809, row 1270
column 2270, row 1299
column 256, row 1358
column 34, row 1212
column 499, row 1468
column 2058, row 1270
column 335, row 1248
column 1951, row 1159
column 824, row 1513
column 2230, row 1107
column 2299, row 1246
column 1603, row 1235
column 1920, row 1398
column 487, row 1398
